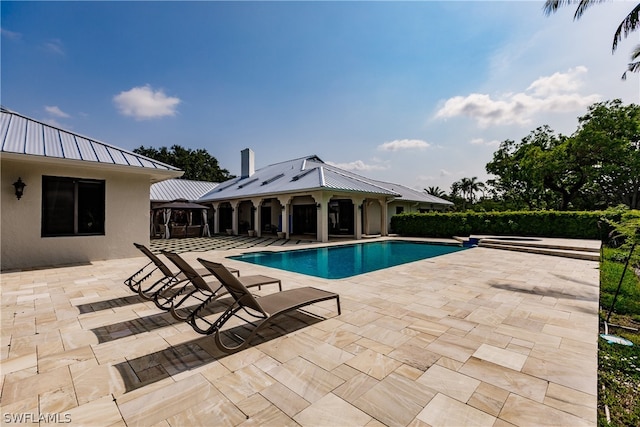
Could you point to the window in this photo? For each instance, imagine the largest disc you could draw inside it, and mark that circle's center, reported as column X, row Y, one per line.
column 72, row 206
column 399, row 210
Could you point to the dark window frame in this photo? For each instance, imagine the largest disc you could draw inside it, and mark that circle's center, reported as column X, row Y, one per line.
column 79, row 203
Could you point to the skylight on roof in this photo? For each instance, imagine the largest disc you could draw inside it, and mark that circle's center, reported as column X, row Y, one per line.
column 270, row 180
column 300, row 175
column 244, row 184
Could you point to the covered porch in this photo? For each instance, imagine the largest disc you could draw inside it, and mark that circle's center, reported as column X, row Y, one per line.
column 319, row 215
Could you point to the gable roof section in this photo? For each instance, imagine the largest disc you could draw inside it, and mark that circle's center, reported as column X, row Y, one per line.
column 297, row 175
column 174, row 189
column 21, row 135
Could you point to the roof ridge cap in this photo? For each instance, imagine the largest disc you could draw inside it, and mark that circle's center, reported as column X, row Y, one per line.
column 290, row 160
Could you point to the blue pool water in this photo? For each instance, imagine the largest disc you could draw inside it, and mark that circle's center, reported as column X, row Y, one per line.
column 338, row 262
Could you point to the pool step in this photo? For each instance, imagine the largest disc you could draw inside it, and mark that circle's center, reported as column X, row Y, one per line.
column 568, row 248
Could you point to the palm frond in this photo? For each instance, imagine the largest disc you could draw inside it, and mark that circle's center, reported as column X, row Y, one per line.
column 552, row 6
column 629, row 23
column 633, row 67
column 583, row 6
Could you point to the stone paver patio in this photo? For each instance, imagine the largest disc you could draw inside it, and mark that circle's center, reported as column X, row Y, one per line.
column 478, row 337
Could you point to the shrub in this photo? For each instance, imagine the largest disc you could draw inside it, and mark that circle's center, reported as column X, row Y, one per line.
column 576, row 225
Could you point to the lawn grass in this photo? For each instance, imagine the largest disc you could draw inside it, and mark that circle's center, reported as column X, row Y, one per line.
column 619, row 365
column 611, row 269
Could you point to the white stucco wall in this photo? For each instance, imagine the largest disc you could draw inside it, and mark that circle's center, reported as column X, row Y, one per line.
column 411, row 207
column 126, row 216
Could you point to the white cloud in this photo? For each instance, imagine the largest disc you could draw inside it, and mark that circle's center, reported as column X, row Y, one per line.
column 403, row 144
column 145, row 103
column 558, row 82
column 55, row 111
column 54, row 46
column 358, row 165
column 10, row 34
column 425, row 180
column 481, row 141
column 551, row 94
column 443, row 174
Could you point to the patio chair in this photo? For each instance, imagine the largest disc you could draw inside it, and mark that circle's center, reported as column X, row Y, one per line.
column 202, row 290
column 265, row 309
column 167, row 280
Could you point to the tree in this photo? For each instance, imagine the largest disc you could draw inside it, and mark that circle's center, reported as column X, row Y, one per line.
column 596, row 167
column 514, row 184
column 629, row 24
column 551, row 170
column 197, row 164
column 470, row 186
column 611, row 131
column 565, row 168
column 467, row 187
column 436, row 191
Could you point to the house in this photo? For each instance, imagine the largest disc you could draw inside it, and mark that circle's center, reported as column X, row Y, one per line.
column 307, row 196
column 84, row 200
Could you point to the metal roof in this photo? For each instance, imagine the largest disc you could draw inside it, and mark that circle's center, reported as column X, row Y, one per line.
column 308, row 174
column 297, row 175
column 180, row 205
column 22, row 135
column 174, row 189
column 413, row 195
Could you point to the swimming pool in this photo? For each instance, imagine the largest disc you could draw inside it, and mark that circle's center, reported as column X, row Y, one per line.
column 338, row 262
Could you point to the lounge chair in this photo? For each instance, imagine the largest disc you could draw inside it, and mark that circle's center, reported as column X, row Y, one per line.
column 266, row 308
column 167, row 280
column 202, row 290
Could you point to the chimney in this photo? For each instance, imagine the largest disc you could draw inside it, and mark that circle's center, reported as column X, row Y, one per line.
column 248, row 163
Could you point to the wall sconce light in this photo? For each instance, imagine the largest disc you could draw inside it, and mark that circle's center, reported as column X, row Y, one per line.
column 318, row 205
column 19, row 185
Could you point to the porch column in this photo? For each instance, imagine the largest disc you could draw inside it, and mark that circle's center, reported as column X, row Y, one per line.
column 234, row 217
column 257, row 216
column 384, row 214
column 284, row 212
column 167, row 220
column 357, row 215
column 365, row 216
column 322, row 217
column 215, row 206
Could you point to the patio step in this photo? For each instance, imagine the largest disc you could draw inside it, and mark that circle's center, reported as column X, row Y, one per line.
column 568, row 248
column 567, row 253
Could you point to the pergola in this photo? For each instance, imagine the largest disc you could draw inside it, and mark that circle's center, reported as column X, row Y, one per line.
column 185, row 227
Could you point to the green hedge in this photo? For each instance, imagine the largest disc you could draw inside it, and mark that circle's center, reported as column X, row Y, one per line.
column 577, row 225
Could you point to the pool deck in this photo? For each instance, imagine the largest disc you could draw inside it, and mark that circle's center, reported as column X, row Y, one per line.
column 477, row 337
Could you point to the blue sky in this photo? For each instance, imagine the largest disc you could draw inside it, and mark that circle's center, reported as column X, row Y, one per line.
column 417, row 93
